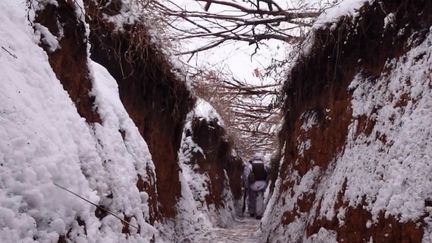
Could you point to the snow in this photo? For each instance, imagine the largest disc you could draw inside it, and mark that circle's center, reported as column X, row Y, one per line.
column 293, row 232
column 386, row 171
column 204, row 110
column 37, row 145
column 341, row 9
column 389, row 20
column 195, row 217
column 304, row 146
column 45, row 141
column 190, row 220
column 194, row 211
column 309, row 119
column 328, row 19
column 244, row 231
column 323, row 236
column 47, row 38
column 124, row 158
column 131, row 12
column 393, row 174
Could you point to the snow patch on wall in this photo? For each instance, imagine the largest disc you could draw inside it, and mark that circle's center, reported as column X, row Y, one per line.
column 329, row 19
column 387, row 170
column 309, row 119
column 392, row 166
column 192, row 218
column 47, row 38
column 323, row 236
column 195, row 215
column 340, row 9
column 131, row 12
column 276, row 213
column 123, row 158
column 303, row 146
column 204, row 110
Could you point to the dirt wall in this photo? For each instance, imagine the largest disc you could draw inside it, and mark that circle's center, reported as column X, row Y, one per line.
column 317, row 86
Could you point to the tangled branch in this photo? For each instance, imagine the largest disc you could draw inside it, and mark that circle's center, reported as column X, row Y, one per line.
column 250, row 21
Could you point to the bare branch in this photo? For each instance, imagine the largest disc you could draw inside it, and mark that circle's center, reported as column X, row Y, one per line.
column 248, row 21
column 203, row 48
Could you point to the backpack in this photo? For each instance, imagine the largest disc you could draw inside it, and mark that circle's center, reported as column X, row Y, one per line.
column 258, row 173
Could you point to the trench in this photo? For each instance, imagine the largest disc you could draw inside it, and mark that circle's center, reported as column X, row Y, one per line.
column 159, row 104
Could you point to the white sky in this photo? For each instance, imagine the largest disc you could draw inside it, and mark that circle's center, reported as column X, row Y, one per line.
column 236, row 58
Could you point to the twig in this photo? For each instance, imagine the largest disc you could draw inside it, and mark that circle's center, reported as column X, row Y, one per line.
column 10, row 53
column 99, row 207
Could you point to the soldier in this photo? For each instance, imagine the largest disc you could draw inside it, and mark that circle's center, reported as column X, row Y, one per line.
column 255, row 179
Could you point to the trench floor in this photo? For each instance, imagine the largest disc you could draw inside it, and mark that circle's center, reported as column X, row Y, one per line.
column 242, row 231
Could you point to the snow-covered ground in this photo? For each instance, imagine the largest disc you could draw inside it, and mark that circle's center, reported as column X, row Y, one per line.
column 244, row 230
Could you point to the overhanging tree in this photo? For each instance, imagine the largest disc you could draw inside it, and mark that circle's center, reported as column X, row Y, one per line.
column 246, row 113
column 246, row 109
column 251, row 21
